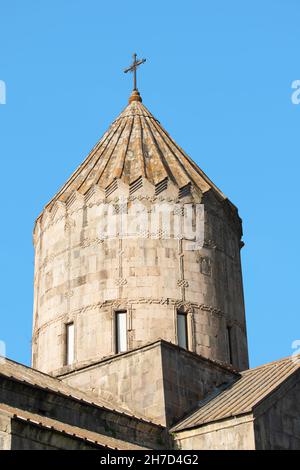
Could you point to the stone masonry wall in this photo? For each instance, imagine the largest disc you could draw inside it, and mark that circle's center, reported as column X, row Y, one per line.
column 78, row 413
column 160, row 381
column 277, row 421
column 133, row 380
column 5, row 432
column 26, row 436
column 82, row 278
column 230, row 434
column 188, row 379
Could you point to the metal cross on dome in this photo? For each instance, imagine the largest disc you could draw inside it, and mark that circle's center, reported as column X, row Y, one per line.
column 136, row 63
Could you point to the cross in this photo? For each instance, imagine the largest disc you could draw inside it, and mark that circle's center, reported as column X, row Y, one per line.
column 133, row 68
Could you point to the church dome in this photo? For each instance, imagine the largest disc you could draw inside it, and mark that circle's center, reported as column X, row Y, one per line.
column 136, row 145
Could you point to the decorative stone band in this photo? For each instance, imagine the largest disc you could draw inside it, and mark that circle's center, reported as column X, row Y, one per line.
column 121, row 282
column 98, row 241
column 159, row 234
column 68, row 225
column 50, row 217
column 69, row 294
column 182, row 283
column 128, row 303
column 91, row 241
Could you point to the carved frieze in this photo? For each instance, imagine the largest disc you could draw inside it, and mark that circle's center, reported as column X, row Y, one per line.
column 182, row 283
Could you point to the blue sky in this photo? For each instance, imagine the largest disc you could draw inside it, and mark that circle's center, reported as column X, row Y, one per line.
column 218, row 76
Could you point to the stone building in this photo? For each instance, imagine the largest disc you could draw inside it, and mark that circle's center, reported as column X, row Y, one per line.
column 139, row 333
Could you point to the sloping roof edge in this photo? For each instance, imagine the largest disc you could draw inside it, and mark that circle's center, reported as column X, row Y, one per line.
column 242, row 396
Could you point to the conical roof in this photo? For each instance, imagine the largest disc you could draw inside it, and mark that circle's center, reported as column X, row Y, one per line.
column 136, row 145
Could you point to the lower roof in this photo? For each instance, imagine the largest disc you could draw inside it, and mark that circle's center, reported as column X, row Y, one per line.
column 72, row 431
column 242, row 395
column 35, row 378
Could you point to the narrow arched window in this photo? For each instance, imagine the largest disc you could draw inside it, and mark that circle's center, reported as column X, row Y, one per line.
column 70, row 343
column 121, row 331
column 229, row 343
column 182, row 330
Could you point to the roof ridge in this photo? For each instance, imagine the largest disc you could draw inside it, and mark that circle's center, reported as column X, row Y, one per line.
column 276, row 361
column 7, row 359
column 149, row 344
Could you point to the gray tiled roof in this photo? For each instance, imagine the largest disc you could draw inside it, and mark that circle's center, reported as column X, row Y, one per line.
column 33, row 377
column 67, row 429
column 240, row 397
